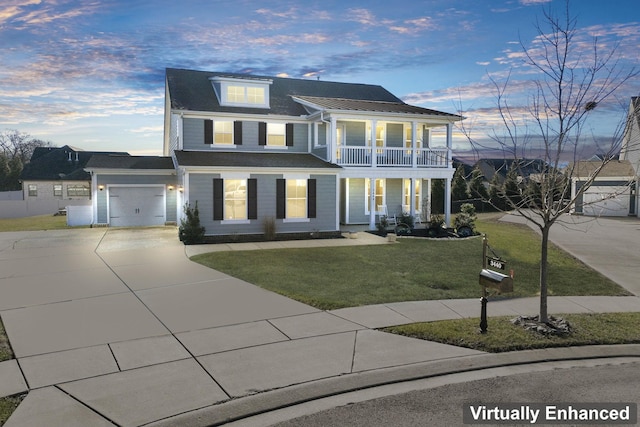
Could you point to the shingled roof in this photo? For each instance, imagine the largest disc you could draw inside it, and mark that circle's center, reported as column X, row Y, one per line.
column 112, row 161
column 251, row 160
column 60, row 163
column 192, row 91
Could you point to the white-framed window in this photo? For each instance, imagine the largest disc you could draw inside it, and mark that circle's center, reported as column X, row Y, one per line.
column 379, row 198
column 406, row 195
column 33, row 190
column 235, row 199
column 296, row 196
column 57, row 190
column 239, row 92
column 276, row 135
column 78, row 190
column 222, row 132
column 255, row 95
column 380, row 135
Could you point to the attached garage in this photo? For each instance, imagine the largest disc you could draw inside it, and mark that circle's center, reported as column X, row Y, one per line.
column 133, row 191
column 136, row 206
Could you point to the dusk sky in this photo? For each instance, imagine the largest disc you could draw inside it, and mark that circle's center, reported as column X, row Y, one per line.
column 91, row 73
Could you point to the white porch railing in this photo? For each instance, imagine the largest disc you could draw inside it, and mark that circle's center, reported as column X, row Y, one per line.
column 392, row 157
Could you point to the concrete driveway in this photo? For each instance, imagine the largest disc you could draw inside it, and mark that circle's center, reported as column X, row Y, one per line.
column 608, row 245
column 118, row 326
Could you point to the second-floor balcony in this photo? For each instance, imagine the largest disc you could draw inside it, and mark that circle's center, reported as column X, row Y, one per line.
column 393, row 157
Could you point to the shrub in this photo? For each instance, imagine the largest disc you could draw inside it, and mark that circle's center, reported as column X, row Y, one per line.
column 466, row 217
column 406, row 218
column 437, row 220
column 190, row 231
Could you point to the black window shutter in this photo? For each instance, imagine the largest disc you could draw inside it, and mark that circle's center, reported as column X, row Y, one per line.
column 262, row 133
column 252, row 189
column 237, row 133
column 218, row 199
column 280, row 198
column 208, row 131
column 289, row 134
column 311, row 198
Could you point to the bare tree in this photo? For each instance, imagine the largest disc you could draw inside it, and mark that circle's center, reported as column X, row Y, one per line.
column 572, row 82
column 16, row 149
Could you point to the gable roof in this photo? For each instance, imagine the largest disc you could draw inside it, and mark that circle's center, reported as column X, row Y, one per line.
column 612, row 169
column 192, row 91
column 116, row 161
column 251, row 160
column 59, row 163
column 525, row 167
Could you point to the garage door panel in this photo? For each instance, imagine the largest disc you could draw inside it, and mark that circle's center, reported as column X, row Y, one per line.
column 136, row 206
column 606, row 201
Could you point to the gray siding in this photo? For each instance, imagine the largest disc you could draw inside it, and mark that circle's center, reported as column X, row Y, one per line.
column 194, row 137
column 132, row 180
column 355, row 134
column 395, row 135
column 357, row 200
column 201, row 190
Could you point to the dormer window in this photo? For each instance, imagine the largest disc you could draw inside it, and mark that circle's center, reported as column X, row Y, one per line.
column 238, row 92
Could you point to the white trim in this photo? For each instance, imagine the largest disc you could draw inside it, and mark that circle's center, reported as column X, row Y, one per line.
column 234, row 221
column 288, row 220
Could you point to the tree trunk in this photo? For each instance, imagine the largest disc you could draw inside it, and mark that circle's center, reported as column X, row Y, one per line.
column 544, row 255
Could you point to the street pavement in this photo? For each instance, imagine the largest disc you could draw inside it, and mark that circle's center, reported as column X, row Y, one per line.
column 118, row 326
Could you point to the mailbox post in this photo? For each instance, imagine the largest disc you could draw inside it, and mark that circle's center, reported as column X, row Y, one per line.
column 491, row 279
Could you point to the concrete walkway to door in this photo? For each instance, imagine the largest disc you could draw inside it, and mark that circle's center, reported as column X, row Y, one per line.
column 118, row 326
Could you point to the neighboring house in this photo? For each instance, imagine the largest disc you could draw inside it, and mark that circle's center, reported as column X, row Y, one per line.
column 525, row 168
column 57, row 173
column 610, row 194
column 307, row 154
column 631, row 145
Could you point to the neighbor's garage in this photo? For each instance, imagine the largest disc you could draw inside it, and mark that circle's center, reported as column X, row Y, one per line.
column 136, row 206
column 607, row 201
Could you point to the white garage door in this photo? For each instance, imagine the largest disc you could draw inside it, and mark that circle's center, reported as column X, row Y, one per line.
column 606, row 201
column 136, row 206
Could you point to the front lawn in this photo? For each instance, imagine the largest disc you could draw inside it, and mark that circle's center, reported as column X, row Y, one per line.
column 410, row 270
column 502, row 335
column 34, row 223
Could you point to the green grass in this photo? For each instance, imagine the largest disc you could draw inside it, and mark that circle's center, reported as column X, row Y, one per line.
column 411, row 270
column 5, row 348
column 8, row 405
column 502, row 335
column 34, row 223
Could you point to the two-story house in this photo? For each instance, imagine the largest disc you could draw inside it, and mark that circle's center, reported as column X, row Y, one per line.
column 308, row 154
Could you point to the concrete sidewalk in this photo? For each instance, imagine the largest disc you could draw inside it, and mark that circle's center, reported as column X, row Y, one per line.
column 118, row 327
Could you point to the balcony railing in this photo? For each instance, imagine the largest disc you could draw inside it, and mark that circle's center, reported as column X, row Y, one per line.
column 392, row 157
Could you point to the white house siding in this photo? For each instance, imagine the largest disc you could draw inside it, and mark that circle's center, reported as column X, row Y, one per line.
column 45, row 190
column 201, row 190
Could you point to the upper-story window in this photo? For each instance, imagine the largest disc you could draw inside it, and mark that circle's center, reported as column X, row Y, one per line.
column 239, row 92
column 276, row 134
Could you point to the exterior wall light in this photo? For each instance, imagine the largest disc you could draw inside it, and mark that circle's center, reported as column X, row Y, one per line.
column 100, row 187
column 170, row 187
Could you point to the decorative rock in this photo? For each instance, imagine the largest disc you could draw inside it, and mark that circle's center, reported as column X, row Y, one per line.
column 556, row 325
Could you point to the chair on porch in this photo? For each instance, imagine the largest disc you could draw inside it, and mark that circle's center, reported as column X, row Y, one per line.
column 391, row 219
column 417, row 217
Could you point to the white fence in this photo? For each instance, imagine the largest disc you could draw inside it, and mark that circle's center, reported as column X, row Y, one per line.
column 11, row 195
column 24, row 208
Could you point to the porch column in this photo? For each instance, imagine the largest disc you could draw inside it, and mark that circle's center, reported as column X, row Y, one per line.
column 447, row 202
column 412, row 197
column 414, row 145
column 332, row 145
column 428, row 213
column 374, row 151
column 372, row 204
column 449, row 142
